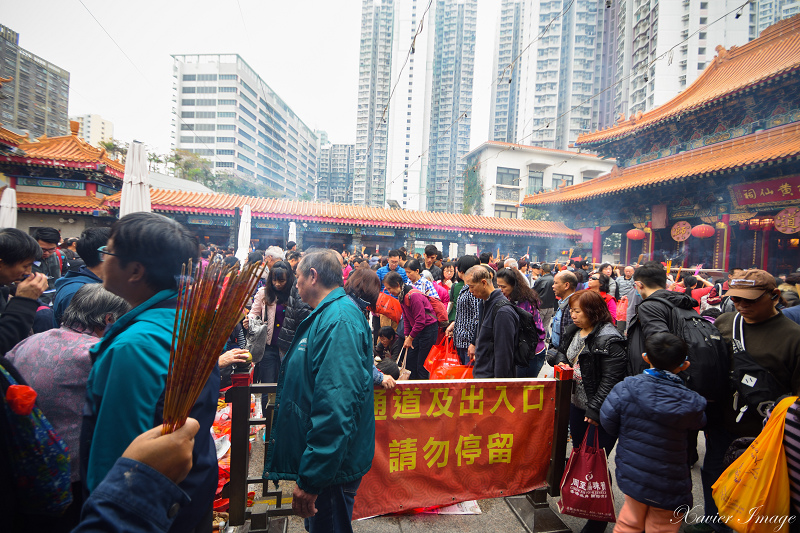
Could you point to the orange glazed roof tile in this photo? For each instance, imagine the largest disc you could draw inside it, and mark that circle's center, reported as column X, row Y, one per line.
column 67, row 150
column 10, row 138
column 223, row 204
column 775, row 53
column 57, row 202
column 768, row 145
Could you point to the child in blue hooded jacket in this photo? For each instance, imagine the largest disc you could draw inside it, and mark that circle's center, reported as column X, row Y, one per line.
column 652, row 414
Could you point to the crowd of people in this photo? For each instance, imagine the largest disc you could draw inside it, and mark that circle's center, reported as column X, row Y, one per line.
column 87, row 323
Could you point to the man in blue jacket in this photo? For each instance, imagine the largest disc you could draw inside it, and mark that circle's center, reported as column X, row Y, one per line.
column 125, row 390
column 323, row 435
column 90, row 272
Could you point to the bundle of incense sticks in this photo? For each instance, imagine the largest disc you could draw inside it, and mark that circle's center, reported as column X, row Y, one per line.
column 209, row 306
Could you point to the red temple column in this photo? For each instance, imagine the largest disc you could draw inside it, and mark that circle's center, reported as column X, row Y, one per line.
column 597, row 245
column 651, row 238
column 722, row 245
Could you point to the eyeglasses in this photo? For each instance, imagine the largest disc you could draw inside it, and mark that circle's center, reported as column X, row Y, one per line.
column 104, row 252
column 46, row 250
column 595, row 279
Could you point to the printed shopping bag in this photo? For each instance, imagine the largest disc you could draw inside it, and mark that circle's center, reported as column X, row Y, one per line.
column 585, row 486
column 758, row 480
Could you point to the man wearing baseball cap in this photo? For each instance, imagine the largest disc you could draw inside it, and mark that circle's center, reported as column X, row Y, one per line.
column 769, row 339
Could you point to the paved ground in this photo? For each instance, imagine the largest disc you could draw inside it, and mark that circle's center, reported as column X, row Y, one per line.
column 496, row 515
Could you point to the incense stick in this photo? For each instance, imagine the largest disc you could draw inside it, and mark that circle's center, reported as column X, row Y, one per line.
column 209, row 306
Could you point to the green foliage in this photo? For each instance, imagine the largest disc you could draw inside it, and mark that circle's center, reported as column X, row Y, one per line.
column 199, row 169
column 533, row 213
column 115, row 149
column 473, row 193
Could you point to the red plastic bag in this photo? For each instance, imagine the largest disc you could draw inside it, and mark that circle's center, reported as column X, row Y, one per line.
column 441, row 353
column 443, row 362
column 585, row 486
column 389, row 306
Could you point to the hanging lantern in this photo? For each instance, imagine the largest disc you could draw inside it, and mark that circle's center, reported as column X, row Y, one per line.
column 703, row 231
column 635, row 234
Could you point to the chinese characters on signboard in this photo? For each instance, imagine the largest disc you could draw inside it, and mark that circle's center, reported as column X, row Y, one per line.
column 782, row 189
column 433, row 440
column 788, row 220
column 681, row 231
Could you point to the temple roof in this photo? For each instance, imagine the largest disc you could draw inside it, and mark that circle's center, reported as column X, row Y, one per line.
column 167, row 201
column 58, row 203
column 770, row 145
column 64, row 150
column 9, row 138
column 775, row 53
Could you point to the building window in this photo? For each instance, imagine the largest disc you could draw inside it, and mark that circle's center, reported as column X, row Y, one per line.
column 205, row 90
column 507, row 176
column 702, row 36
column 206, row 77
column 188, row 90
column 703, row 5
column 535, row 181
column 222, row 164
column 229, row 127
column 505, row 211
column 226, row 114
column 228, row 77
column 189, row 77
column 558, row 179
column 226, row 139
column 226, row 152
column 187, row 114
column 701, row 66
column 187, row 102
column 227, row 89
column 701, row 51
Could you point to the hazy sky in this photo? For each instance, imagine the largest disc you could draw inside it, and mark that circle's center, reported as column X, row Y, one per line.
column 306, row 50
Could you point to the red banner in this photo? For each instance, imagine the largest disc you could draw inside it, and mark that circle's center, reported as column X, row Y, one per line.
column 444, row 442
column 783, row 189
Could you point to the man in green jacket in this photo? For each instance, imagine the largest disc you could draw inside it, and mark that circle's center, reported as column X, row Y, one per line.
column 323, row 436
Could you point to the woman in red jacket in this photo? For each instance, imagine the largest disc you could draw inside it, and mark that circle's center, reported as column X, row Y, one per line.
column 599, row 282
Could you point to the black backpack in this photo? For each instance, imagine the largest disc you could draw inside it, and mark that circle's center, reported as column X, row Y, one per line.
column 708, row 354
column 527, row 336
column 754, row 386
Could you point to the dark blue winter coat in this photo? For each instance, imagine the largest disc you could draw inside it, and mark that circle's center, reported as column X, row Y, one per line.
column 652, row 415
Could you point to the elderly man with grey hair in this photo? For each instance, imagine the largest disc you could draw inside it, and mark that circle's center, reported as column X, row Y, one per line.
column 56, row 364
column 323, row 434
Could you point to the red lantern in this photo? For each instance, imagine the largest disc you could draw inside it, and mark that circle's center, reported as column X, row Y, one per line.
column 703, row 231
column 635, row 234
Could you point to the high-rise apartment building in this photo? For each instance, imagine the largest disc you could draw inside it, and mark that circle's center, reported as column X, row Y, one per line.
column 453, row 63
column 37, row 98
column 664, row 47
column 409, row 112
column 509, row 64
column 414, row 102
column 335, row 172
column 580, row 64
column 94, row 129
column 548, row 80
column 226, row 113
column 764, row 13
column 374, row 87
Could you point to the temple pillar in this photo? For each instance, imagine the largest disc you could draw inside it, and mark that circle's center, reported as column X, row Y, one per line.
column 722, row 245
column 597, row 246
column 356, row 240
column 765, row 248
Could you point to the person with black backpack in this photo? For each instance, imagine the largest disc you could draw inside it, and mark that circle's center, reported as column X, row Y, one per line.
column 513, row 285
column 673, row 312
